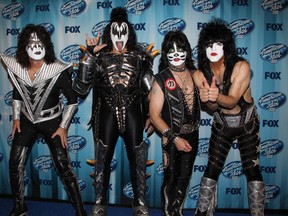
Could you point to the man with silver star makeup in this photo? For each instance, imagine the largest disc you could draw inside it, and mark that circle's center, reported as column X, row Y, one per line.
column 175, row 112
column 120, row 73
column 223, row 80
column 39, row 79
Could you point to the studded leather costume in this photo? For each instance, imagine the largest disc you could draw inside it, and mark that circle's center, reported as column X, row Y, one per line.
column 178, row 166
column 38, row 107
column 120, row 84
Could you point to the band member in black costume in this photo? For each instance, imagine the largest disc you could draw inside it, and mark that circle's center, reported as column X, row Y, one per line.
column 175, row 112
column 120, row 73
column 38, row 80
column 223, row 80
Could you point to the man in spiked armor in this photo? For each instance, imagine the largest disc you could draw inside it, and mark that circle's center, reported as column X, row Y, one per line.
column 120, row 73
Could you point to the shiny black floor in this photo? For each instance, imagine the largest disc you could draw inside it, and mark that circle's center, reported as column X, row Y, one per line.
column 50, row 208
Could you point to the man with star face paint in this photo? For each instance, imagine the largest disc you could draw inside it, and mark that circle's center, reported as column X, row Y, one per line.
column 175, row 112
column 223, row 80
column 120, row 73
column 39, row 79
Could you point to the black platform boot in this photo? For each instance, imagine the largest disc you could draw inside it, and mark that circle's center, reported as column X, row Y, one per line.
column 180, row 196
column 72, row 188
column 69, row 180
column 17, row 161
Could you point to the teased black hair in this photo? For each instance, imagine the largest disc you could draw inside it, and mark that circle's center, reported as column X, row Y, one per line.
column 217, row 31
column 23, row 39
column 180, row 39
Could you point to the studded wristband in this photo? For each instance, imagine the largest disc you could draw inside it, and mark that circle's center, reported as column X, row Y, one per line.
column 170, row 135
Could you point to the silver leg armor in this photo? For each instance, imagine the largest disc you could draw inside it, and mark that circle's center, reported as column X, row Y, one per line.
column 256, row 197
column 207, row 197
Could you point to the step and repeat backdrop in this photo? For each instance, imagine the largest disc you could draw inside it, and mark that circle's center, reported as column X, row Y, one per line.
column 260, row 28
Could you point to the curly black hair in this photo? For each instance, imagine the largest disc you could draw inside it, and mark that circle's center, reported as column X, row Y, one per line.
column 180, row 39
column 119, row 15
column 217, row 31
column 23, row 40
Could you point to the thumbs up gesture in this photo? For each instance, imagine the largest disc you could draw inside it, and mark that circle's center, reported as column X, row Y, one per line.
column 213, row 90
column 207, row 92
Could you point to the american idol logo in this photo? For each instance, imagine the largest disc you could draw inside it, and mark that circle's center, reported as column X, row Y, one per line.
column 43, row 163
column 203, row 146
column 241, row 27
column 274, row 52
column 271, row 191
column 194, row 192
column 1, row 157
column 113, row 165
column 271, row 147
column 205, row 6
column 9, row 140
column 137, row 6
column 160, row 169
column 82, row 184
column 12, row 11
column 274, row 6
column 99, row 27
column 75, row 143
column 71, row 53
column 195, row 53
column 171, row 24
column 272, row 101
column 8, row 98
column 128, row 190
column 143, row 45
column 11, row 51
column 233, row 169
column 73, row 8
column 49, row 27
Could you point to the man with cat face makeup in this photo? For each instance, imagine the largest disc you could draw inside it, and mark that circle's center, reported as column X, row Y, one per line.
column 223, row 80
column 175, row 112
column 38, row 80
column 120, row 73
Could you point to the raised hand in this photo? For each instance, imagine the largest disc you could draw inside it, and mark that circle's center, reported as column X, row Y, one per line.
column 94, row 42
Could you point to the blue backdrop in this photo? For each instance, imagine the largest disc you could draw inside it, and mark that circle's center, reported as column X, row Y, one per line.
column 261, row 37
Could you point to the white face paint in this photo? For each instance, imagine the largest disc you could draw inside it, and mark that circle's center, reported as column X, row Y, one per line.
column 119, row 35
column 176, row 56
column 214, row 51
column 35, row 48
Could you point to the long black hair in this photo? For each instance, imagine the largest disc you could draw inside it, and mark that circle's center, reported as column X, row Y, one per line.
column 119, row 15
column 23, row 40
column 181, row 41
column 217, row 31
